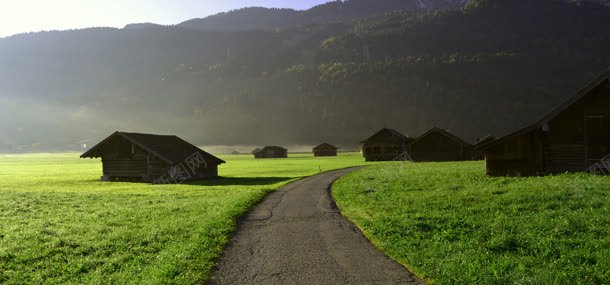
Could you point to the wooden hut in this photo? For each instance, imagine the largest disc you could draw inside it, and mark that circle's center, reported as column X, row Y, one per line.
column 150, row 158
column 271, row 152
column 573, row 137
column 485, row 140
column 325, row 149
column 477, row 155
column 385, row 145
column 440, row 145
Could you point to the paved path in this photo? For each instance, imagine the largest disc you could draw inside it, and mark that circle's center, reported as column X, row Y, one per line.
column 297, row 236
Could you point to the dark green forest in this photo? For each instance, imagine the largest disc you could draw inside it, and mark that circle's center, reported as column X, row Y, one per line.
column 336, row 73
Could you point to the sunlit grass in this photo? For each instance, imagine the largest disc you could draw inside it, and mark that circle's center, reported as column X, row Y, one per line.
column 60, row 224
column 453, row 225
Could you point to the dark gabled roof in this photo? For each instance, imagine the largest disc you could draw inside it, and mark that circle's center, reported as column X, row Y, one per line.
column 391, row 131
column 600, row 80
column 325, row 146
column 484, row 140
column 273, row 148
column 442, row 132
column 170, row 149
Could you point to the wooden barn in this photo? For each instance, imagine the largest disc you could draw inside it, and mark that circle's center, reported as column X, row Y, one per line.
column 325, row 149
column 440, row 145
column 152, row 158
column 271, row 152
column 385, row 145
column 573, row 137
column 477, row 155
column 485, row 140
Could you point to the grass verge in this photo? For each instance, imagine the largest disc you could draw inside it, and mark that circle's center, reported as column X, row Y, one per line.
column 451, row 224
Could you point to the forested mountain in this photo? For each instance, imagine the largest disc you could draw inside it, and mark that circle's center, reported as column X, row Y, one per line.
column 337, row 11
column 488, row 67
column 600, row 2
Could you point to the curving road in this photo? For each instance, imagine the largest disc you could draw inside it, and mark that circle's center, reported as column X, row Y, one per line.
column 296, row 235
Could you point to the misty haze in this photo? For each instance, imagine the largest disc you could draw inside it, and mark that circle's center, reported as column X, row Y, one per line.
column 335, row 72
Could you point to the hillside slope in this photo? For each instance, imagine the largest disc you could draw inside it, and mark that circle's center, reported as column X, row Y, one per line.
column 258, row 18
column 484, row 69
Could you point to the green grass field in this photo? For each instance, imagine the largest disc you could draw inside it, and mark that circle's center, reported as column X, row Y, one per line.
column 60, row 224
column 451, row 224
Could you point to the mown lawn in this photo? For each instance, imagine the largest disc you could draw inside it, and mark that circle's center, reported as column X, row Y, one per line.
column 451, row 224
column 60, row 224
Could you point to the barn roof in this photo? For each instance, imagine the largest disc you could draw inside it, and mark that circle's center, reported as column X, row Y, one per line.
column 273, row 148
column 442, row 132
column 391, row 131
column 170, row 149
column 325, row 146
column 600, row 80
column 484, row 140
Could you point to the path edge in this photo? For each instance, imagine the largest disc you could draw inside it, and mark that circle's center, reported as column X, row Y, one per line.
column 361, row 231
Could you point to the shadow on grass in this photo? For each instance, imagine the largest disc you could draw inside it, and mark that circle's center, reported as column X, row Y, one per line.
column 240, row 181
column 219, row 181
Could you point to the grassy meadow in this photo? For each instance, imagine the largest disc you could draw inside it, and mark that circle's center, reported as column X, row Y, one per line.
column 60, row 224
column 451, row 224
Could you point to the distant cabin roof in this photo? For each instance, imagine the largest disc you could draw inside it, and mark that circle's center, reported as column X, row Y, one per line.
column 442, row 132
column 484, row 140
column 325, row 146
column 604, row 78
column 388, row 130
column 273, row 148
column 170, row 149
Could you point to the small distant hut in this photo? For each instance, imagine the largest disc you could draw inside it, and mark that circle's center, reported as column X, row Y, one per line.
column 485, row 140
column 235, row 152
column 477, row 155
column 151, row 158
column 440, row 145
column 271, row 152
column 385, row 145
column 574, row 137
column 325, row 149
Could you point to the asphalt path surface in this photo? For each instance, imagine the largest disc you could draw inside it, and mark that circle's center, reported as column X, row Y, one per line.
column 296, row 235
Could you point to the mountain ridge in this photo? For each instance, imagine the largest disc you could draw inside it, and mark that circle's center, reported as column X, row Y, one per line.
column 475, row 71
column 334, row 11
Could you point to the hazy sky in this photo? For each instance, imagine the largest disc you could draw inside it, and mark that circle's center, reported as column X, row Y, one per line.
column 18, row 16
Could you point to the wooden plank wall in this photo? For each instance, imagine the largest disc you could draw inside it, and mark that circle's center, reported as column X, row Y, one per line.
column 124, row 167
